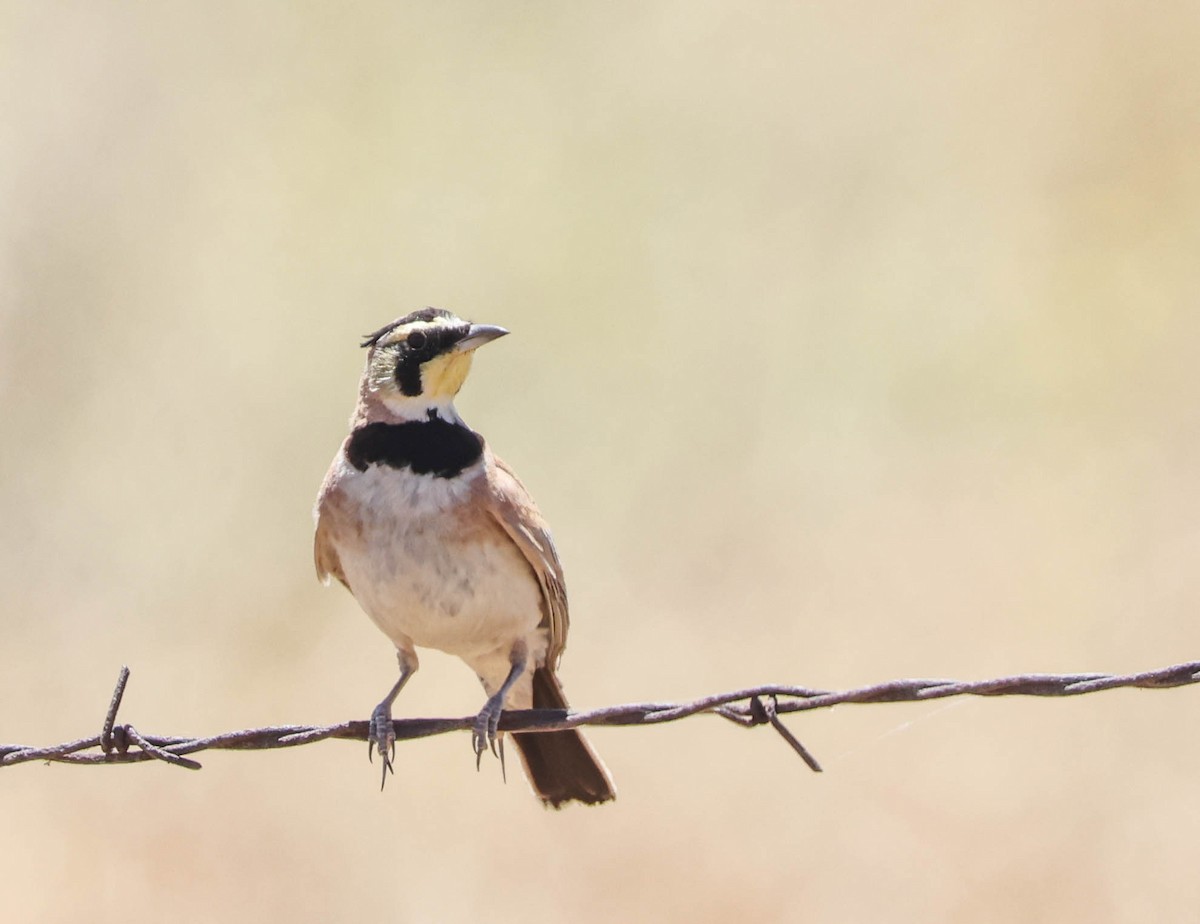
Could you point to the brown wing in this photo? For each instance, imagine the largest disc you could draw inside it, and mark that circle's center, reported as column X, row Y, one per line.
column 514, row 509
column 324, row 554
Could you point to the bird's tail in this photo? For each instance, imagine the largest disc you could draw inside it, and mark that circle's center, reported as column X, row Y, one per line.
column 561, row 765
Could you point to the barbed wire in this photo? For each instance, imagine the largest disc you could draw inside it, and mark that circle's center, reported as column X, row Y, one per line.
column 753, row 706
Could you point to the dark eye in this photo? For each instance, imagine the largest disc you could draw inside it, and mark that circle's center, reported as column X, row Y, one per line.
column 417, row 340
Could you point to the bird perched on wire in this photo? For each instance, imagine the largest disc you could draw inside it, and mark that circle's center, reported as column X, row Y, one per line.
column 443, row 547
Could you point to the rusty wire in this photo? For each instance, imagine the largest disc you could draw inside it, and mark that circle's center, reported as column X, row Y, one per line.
column 762, row 705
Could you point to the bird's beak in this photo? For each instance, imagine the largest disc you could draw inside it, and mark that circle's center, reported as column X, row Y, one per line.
column 477, row 336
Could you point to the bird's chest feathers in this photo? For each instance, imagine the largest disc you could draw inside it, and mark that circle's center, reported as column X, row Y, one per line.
column 424, row 562
column 413, row 530
column 389, row 498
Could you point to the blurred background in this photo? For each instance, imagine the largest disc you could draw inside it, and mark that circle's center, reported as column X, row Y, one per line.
column 851, row 341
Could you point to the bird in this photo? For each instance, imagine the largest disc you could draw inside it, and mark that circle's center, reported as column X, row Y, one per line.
column 443, row 547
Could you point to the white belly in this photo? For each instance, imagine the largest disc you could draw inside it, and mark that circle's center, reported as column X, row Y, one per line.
column 427, row 579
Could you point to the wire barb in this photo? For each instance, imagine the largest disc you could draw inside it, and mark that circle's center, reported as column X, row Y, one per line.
column 762, row 705
column 106, row 732
column 761, row 712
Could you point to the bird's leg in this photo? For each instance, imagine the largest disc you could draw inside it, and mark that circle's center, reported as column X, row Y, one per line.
column 381, row 736
column 487, row 723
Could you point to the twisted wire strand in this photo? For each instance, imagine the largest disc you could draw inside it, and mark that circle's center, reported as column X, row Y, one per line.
column 750, row 707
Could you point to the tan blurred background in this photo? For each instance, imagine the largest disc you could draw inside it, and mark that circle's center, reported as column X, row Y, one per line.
column 851, row 341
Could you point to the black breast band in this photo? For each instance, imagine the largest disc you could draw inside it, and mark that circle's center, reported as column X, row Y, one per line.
column 427, row 447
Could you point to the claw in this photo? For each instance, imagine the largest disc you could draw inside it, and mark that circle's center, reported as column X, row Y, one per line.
column 485, row 731
column 387, row 768
column 382, row 739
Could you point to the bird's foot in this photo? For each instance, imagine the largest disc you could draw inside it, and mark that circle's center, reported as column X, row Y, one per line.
column 381, row 738
column 486, row 728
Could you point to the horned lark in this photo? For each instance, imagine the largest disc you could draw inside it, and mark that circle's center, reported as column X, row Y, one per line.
column 444, row 548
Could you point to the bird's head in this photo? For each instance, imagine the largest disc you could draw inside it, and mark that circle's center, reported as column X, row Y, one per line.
column 417, row 364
